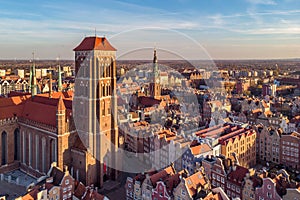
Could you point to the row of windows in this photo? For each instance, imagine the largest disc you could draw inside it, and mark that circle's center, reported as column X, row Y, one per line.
column 105, row 107
column 290, row 149
column 290, row 153
column 106, row 90
column 233, row 187
column 291, row 143
column 290, row 159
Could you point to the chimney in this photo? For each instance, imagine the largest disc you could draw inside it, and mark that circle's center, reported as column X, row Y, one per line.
column 53, row 164
column 66, row 168
column 233, row 167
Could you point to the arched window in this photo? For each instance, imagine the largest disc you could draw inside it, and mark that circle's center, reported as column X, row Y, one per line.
column 52, row 151
column 37, row 151
column 17, row 144
column 30, row 150
column 107, row 90
column 108, row 107
column 24, row 147
column 43, row 154
column 4, row 148
column 103, row 108
column 103, row 90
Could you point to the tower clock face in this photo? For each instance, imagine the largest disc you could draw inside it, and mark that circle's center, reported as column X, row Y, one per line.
column 157, row 80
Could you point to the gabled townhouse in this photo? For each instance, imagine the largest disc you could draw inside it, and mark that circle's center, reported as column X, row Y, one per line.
column 150, row 181
column 164, row 188
column 192, row 157
column 290, row 150
column 251, row 182
column 217, row 194
column 269, row 144
column 235, row 181
column 194, row 186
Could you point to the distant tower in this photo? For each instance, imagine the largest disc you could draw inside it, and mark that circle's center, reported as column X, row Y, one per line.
column 33, row 85
column 95, row 59
column 59, row 84
column 155, row 88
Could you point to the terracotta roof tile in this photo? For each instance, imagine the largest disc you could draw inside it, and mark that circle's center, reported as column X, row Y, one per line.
column 148, row 101
column 238, row 175
column 36, row 112
column 195, row 181
column 212, row 196
column 201, row 148
column 162, row 174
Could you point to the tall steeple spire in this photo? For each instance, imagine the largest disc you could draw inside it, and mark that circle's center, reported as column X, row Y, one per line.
column 155, row 89
column 154, row 56
column 59, row 88
column 33, row 85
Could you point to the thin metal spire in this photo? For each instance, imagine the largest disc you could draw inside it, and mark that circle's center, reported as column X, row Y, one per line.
column 59, row 84
column 33, row 85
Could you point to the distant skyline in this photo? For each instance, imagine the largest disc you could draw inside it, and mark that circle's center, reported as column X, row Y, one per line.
column 234, row 29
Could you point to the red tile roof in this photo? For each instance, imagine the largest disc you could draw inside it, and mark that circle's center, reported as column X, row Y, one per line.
column 11, row 111
column 212, row 196
column 16, row 100
column 195, row 181
column 148, row 101
column 201, row 148
column 169, row 171
column 95, row 43
column 36, row 112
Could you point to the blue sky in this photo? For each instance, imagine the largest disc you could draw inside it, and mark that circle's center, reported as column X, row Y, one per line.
column 225, row 29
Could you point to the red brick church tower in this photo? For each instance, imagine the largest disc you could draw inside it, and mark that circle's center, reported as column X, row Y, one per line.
column 95, row 67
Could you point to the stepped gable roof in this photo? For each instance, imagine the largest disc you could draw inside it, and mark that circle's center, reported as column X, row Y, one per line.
column 94, row 43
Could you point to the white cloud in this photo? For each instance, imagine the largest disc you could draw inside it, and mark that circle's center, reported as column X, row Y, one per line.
column 265, row 2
